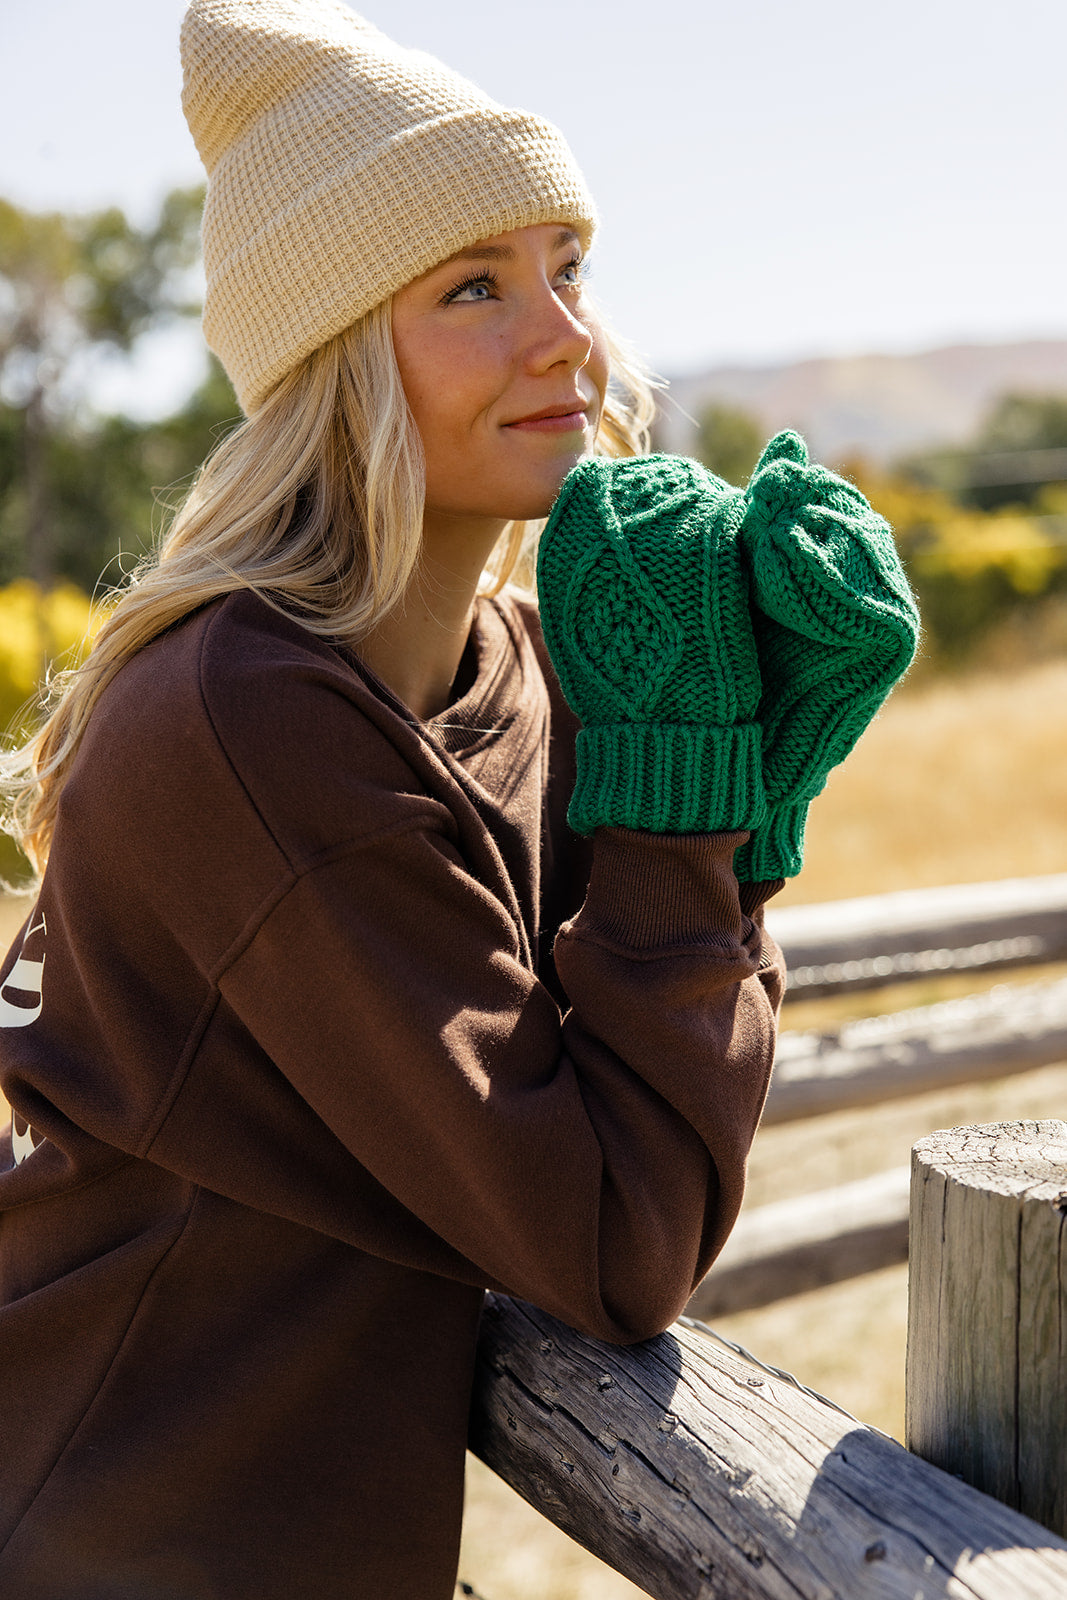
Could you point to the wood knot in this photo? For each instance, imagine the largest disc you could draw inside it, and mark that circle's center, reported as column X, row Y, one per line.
column 755, row 1383
column 876, row 1551
column 604, row 1381
column 668, row 1422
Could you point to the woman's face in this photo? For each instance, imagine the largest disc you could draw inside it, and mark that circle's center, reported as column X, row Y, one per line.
column 504, row 366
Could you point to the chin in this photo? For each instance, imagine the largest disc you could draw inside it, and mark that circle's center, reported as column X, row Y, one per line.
column 539, row 502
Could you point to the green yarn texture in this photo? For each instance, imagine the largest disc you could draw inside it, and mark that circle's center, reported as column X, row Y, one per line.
column 645, row 610
column 723, row 648
column 836, row 626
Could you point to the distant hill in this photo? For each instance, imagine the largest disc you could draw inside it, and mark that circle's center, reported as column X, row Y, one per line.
column 877, row 406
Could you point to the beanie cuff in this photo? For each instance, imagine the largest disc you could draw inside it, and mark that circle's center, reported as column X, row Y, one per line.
column 776, row 848
column 327, row 252
column 668, row 778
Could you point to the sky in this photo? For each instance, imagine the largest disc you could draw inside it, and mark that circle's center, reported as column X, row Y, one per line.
column 775, row 180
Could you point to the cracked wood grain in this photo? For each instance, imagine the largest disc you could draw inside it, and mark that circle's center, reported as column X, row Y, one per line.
column 700, row 1478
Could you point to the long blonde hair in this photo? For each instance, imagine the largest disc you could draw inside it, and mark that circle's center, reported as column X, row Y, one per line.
column 315, row 503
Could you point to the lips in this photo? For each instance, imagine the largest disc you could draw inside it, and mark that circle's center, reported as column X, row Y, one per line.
column 569, row 414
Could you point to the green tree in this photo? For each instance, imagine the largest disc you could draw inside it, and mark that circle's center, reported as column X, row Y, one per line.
column 1019, row 451
column 1025, row 422
column 112, row 480
column 729, row 442
column 975, row 572
column 70, row 285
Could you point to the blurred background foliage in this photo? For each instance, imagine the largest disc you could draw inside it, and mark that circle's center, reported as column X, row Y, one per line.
column 982, row 528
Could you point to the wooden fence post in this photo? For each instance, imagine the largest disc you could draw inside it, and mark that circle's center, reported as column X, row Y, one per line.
column 987, row 1315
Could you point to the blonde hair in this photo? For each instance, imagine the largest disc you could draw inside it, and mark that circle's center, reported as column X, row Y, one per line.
column 315, row 503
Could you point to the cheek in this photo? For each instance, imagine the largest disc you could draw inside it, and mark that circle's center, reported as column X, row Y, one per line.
column 447, row 388
column 423, row 372
column 421, row 387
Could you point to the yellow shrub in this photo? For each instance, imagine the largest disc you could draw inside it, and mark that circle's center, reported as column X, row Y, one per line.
column 1006, row 541
column 38, row 633
column 974, row 572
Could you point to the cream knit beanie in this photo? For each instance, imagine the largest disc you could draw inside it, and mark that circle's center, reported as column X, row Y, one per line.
column 340, row 167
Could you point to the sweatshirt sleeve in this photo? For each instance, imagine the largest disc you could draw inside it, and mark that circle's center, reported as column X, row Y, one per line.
column 591, row 1162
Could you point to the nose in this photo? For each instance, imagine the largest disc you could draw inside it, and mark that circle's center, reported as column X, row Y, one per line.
column 554, row 335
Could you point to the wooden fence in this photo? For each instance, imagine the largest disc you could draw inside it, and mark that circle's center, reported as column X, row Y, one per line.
column 782, row 1249
column 697, row 1471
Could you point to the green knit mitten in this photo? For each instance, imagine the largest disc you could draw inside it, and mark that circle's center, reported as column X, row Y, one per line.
column 645, row 611
column 836, row 626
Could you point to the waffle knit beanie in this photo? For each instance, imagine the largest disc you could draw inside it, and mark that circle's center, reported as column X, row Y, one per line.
column 340, row 167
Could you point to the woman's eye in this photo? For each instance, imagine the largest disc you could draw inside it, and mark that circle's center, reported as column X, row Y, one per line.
column 473, row 289
column 573, row 273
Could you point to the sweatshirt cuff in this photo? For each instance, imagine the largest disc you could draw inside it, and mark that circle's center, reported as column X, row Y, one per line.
column 651, row 891
column 754, row 895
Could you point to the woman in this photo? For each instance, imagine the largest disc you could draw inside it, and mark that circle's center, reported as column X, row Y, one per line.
column 324, row 1021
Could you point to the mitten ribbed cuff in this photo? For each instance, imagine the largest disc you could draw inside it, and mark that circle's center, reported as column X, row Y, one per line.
column 776, row 848
column 668, row 778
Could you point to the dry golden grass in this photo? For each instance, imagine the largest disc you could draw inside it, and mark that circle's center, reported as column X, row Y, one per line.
column 958, row 782
column 955, row 782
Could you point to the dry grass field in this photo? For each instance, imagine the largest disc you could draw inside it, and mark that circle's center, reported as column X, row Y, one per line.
column 955, row 782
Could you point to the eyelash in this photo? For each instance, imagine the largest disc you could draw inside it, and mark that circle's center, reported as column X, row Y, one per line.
column 493, row 281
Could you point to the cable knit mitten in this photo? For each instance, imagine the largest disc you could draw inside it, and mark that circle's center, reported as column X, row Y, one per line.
column 645, row 611
column 836, row 626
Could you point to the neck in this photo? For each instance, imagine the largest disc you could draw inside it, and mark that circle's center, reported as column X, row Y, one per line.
column 416, row 650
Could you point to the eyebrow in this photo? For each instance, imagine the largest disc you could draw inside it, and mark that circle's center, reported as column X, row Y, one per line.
column 504, row 252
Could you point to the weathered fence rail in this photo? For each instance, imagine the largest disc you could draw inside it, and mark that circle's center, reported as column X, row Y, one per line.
column 794, row 1245
column 787, row 1247
column 909, row 1052
column 885, row 938
column 701, row 1477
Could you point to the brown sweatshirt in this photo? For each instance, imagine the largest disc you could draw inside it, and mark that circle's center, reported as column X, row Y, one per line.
column 295, row 1078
